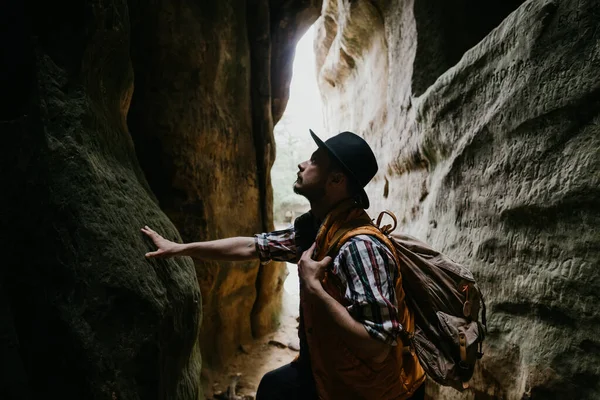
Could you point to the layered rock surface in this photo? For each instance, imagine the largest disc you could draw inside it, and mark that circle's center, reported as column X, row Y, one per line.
column 211, row 79
column 489, row 148
column 84, row 167
column 93, row 318
column 485, row 123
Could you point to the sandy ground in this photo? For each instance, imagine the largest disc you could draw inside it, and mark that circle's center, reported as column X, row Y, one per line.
column 268, row 353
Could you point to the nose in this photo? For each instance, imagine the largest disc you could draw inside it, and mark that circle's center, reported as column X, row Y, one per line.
column 301, row 166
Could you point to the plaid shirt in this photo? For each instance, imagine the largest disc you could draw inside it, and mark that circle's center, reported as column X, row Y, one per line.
column 364, row 267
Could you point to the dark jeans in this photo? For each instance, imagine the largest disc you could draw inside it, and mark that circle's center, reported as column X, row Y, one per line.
column 294, row 382
column 291, row 382
column 419, row 394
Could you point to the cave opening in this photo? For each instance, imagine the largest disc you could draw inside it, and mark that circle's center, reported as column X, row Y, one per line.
column 294, row 145
column 293, row 142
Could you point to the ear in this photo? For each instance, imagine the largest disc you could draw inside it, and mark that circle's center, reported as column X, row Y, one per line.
column 337, row 178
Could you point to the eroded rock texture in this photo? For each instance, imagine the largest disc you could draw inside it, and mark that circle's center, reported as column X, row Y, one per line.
column 93, row 318
column 82, row 172
column 211, row 79
column 489, row 148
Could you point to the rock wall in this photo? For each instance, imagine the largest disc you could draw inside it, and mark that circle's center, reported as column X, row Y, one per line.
column 211, row 79
column 484, row 119
column 485, row 123
column 87, row 160
column 92, row 318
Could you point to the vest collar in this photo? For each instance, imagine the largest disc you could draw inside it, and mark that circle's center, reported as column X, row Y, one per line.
column 341, row 215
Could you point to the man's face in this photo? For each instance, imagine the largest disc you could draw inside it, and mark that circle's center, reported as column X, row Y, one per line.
column 313, row 175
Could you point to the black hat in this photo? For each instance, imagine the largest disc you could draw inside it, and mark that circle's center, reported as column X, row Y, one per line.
column 355, row 157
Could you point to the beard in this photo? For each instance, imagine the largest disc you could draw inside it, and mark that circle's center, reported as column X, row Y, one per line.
column 312, row 193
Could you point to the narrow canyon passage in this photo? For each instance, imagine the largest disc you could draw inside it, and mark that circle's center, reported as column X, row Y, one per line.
column 265, row 354
column 293, row 145
column 484, row 118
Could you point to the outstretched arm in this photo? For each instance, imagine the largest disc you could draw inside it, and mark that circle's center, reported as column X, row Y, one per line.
column 230, row 249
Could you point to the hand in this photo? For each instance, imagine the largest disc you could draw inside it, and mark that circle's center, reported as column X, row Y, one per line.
column 166, row 248
column 310, row 271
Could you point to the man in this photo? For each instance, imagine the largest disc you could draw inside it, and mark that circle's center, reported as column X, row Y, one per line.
column 352, row 307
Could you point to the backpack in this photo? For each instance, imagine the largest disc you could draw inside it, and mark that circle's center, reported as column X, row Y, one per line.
column 446, row 304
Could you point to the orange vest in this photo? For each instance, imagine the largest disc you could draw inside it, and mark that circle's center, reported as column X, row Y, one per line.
column 338, row 372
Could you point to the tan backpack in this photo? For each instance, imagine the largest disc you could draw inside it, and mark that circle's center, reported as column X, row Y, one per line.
column 446, row 303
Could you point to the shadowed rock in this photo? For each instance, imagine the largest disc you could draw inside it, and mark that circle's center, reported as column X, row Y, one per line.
column 94, row 318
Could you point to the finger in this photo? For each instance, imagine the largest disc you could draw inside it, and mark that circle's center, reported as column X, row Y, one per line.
column 308, row 253
column 152, row 235
column 154, row 254
column 326, row 261
column 149, row 229
column 305, row 257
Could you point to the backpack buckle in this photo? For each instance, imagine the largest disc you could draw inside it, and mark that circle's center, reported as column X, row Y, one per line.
column 386, row 229
column 480, row 350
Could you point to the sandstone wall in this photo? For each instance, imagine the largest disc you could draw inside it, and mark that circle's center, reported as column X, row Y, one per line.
column 93, row 318
column 485, row 123
column 211, row 79
column 87, row 160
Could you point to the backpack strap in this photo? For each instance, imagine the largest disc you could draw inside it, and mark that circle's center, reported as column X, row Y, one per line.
column 406, row 337
column 482, row 326
column 348, row 230
column 364, row 226
column 370, row 230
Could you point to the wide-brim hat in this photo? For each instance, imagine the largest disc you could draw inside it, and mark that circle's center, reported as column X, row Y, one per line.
column 354, row 156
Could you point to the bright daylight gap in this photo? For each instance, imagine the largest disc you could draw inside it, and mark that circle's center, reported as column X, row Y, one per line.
column 294, row 145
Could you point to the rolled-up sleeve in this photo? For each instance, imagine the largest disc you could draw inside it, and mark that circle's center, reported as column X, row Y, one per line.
column 277, row 246
column 369, row 273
